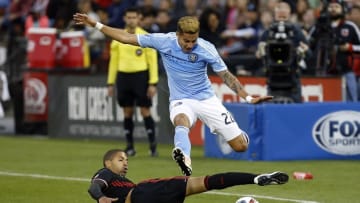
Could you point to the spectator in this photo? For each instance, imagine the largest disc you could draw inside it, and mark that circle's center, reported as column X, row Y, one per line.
column 355, row 17
column 3, row 31
column 308, row 20
column 266, row 19
column 165, row 22
column 244, row 37
column 103, row 15
column 235, row 18
column 168, row 6
column 37, row 16
column 218, row 5
column 116, row 12
column 60, row 13
column 103, row 4
column 187, row 8
column 234, row 10
column 3, row 6
column 354, row 14
column 148, row 19
column 16, row 15
column 210, row 28
column 268, row 5
column 301, row 7
column 94, row 37
column 15, row 24
column 345, row 36
column 103, row 60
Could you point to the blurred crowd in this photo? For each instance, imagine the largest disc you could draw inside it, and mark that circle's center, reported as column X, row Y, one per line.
column 233, row 26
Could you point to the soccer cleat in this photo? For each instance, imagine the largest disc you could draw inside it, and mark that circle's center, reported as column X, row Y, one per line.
column 275, row 178
column 130, row 151
column 154, row 153
column 183, row 161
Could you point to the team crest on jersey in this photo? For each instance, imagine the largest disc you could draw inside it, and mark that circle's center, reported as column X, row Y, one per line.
column 345, row 32
column 138, row 52
column 193, row 57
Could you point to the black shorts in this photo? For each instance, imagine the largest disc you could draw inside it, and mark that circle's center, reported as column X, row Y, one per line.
column 132, row 89
column 162, row 190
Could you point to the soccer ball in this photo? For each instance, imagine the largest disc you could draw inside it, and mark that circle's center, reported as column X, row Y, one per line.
column 246, row 200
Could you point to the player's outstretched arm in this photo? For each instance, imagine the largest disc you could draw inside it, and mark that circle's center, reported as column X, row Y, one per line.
column 233, row 83
column 95, row 191
column 116, row 34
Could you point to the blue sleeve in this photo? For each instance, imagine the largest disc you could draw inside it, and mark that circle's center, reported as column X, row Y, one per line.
column 153, row 40
column 215, row 61
column 218, row 64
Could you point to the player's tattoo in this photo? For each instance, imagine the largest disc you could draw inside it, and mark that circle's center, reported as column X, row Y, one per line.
column 231, row 81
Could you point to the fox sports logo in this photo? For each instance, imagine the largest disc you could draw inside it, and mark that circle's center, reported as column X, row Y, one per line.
column 338, row 132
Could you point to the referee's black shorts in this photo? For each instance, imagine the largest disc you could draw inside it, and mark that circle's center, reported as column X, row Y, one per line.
column 161, row 190
column 132, row 89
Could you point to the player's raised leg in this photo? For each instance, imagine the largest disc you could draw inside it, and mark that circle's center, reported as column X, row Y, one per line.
column 239, row 143
column 182, row 150
column 220, row 181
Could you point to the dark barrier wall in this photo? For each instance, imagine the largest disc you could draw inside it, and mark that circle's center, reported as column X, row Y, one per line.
column 293, row 132
column 79, row 107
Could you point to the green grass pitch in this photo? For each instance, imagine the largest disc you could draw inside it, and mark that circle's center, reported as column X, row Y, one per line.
column 41, row 169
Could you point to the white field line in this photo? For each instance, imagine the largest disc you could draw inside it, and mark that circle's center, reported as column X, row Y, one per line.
column 4, row 173
column 40, row 176
column 261, row 196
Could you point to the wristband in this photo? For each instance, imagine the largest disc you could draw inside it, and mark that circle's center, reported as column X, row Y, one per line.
column 249, row 98
column 99, row 25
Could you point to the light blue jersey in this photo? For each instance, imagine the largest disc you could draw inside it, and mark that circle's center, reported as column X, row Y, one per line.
column 187, row 72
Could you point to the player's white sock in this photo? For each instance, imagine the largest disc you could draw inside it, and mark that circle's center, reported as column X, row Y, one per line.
column 182, row 140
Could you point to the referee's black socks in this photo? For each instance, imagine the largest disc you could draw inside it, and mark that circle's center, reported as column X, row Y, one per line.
column 150, row 129
column 129, row 128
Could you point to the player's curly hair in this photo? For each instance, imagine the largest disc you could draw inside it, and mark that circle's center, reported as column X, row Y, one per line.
column 188, row 24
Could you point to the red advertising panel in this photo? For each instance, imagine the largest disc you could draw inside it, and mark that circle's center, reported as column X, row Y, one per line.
column 322, row 89
column 36, row 96
column 313, row 90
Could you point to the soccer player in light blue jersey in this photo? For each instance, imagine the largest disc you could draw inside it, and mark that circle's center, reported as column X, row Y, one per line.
column 186, row 57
